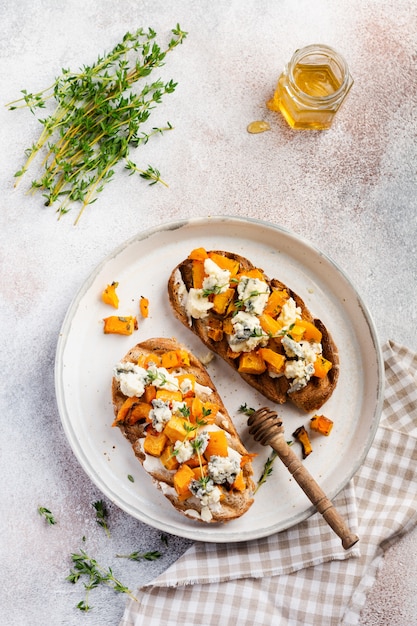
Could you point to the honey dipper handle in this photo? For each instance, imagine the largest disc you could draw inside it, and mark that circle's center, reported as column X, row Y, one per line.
column 312, row 490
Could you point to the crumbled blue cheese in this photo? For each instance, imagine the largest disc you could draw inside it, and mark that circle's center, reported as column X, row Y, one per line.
column 186, row 385
column 300, row 371
column 292, row 348
column 290, row 313
column 248, row 333
column 209, row 496
column 160, row 377
column 183, row 451
column 254, row 294
column 160, row 414
column 216, row 280
column 132, row 378
column 224, row 469
column 197, row 305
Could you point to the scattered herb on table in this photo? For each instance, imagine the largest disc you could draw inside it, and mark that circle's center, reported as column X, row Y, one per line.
column 46, row 513
column 87, row 567
column 102, row 515
column 267, row 470
column 138, row 556
column 97, row 119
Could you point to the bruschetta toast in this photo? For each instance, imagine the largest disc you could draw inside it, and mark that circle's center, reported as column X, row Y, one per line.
column 258, row 325
column 168, row 408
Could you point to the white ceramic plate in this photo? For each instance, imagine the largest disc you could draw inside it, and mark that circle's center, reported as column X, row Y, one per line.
column 85, row 359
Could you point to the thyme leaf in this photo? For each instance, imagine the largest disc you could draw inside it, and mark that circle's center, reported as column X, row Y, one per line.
column 101, row 515
column 137, row 556
column 46, row 513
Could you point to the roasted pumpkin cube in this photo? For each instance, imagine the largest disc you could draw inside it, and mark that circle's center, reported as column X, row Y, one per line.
column 239, row 482
column 124, row 409
column 302, row 436
column 182, row 478
column 168, row 459
column 321, row 424
column 217, row 444
column 321, row 367
column 139, row 411
column 198, row 273
column 166, row 395
column 200, row 471
column 253, row 273
column 275, row 362
column 145, row 360
column 171, row 359
column 109, row 295
column 251, row 363
column 119, row 325
column 311, row 332
column 149, row 394
column 175, row 428
column 225, row 263
column 222, row 300
column 269, row 325
column 154, row 444
column 198, row 254
column 144, row 306
column 276, row 299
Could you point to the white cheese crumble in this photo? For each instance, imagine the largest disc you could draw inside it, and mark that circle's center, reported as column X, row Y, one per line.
column 183, row 451
column 290, row 313
column 217, row 280
column 160, row 414
column 132, row 378
column 223, row 469
column 254, row 294
column 197, row 305
column 248, row 333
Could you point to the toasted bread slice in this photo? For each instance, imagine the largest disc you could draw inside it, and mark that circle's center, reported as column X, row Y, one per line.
column 166, row 405
column 258, row 325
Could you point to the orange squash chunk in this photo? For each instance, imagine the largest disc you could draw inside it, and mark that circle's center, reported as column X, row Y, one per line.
column 154, row 444
column 182, row 478
column 275, row 301
column 174, row 429
column 239, row 482
column 225, row 263
column 198, row 254
column 144, row 306
column 321, row 367
column 269, row 325
column 139, row 411
column 222, row 300
column 217, row 444
column 120, row 325
column 166, row 395
column 274, row 361
column 109, row 295
column 169, row 460
column 321, row 424
column 124, row 409
column 198, row 274
column 251, row 363
column 311, row 333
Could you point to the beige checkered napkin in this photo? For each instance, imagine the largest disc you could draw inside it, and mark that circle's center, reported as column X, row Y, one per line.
column 302, row 576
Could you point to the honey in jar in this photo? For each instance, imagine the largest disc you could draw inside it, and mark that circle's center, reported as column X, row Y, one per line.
column 312, row 87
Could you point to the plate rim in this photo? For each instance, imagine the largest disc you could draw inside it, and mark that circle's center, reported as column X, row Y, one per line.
column 63, row 337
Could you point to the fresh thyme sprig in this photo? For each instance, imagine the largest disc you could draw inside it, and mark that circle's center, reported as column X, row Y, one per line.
column 98, row 117
column 87, row 567
column 46, row 513
column 102, row 515
column 137, row 556
column 267, row 470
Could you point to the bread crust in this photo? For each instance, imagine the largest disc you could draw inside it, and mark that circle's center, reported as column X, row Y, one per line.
column 233, row 503
column 313, row 395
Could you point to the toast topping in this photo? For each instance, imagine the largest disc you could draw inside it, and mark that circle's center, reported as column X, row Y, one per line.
column 262, row 324
column 181, row 432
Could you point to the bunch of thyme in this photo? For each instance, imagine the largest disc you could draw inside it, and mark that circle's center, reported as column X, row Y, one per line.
column 97, row 119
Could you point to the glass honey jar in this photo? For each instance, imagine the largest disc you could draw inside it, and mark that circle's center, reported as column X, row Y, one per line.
column 312, row 88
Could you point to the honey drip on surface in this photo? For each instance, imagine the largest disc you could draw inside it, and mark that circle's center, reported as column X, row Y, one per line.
column 258, row 127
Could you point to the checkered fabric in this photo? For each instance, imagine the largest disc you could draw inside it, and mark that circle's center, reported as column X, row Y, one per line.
column 302, row 576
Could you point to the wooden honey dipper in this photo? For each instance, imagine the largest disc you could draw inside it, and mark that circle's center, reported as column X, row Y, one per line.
column 267, row 428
